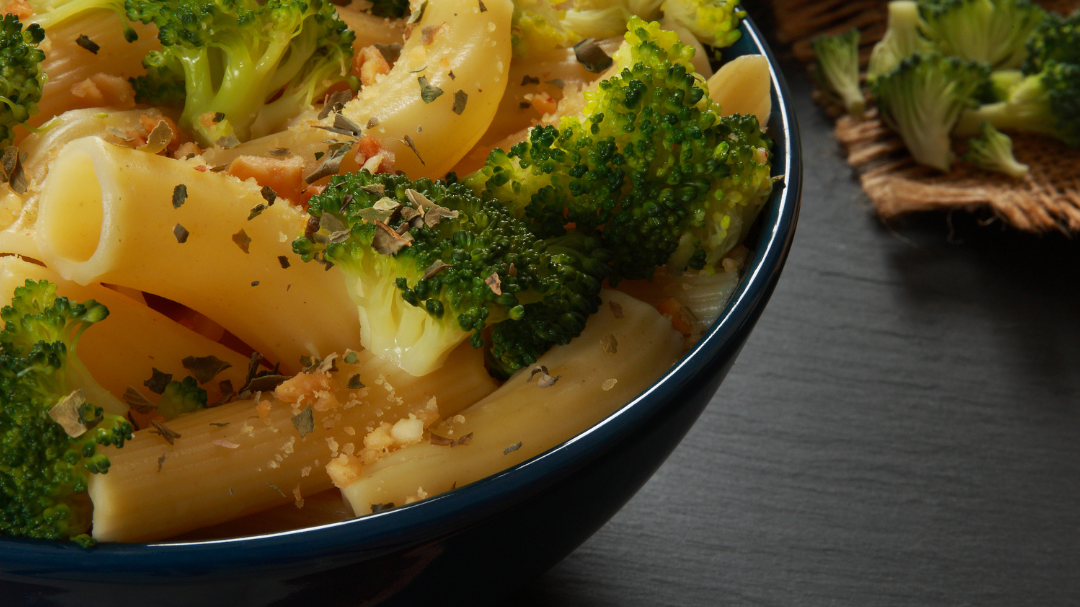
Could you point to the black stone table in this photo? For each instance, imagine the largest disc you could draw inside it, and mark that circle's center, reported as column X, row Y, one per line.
column 902, row 428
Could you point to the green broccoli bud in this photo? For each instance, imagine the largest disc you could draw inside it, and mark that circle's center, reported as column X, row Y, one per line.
column 922, row 100
column 714, row 22
column 651, row 166
column 235, row 57
column 180, row 398
column 992, row 150
column 1047, row 102
column 1003, row 83
column 837, row 69
column 431, row 265
column 991, row 31
column 1056, row 39
column 390, row 9
column 22, row 79
column 50, row 419
column 901, row 39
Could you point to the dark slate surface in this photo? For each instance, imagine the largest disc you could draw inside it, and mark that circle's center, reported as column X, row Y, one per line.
column 902, row 428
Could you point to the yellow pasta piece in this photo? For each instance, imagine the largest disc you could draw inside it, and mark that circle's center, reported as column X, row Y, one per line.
column 69, row 66
column 454, row 47
column 18, row 212
column 106, row 214
column 230, row 462
column 124, row 349
column 309, row 511
column 743, row 86
column 612, row 361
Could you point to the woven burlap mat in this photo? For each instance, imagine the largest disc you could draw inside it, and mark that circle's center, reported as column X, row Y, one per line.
column 1047, row 199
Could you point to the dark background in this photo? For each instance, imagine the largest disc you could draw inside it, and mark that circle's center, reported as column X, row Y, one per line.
column 902, row 428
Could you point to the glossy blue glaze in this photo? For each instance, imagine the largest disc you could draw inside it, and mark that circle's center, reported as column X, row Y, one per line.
column 474, row 544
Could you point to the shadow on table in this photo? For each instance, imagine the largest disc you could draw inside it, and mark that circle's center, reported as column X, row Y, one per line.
column 1029, row 285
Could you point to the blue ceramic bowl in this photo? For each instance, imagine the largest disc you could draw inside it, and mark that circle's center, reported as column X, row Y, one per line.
column 477, row 543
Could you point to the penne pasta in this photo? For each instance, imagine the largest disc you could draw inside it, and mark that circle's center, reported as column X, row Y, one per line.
column 230, row 461
column 743, row 86
column 133, row 341
column 612, row 361
column 463, row 50
column 107, row 214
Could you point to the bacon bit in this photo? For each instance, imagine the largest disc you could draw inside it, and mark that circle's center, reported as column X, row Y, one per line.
column 672, row 309
column 543, row 103
column 207, row 119
column 429, row 32
column 369, row 64
column 283, row 175
column 201, row 168
column 263, row 408
column 104, row 90
column 186, row 148
column 299, row 499
column 305, row 196
column 20, row 9
column 369, row 150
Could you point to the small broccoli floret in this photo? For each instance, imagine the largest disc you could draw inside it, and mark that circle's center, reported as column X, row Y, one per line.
column 992, row 150
column 231, row 58
column 992, row 31
column 650, row 166
column 22, row 79
column 1056, row 39
column 52, row 13
column 901, row 39
column 1047, row 102
column 431, row 265
column 537, row 27
column 51, row 416
column 714, row 22
column 837, row 69
column 922, row 100
column 180, row 398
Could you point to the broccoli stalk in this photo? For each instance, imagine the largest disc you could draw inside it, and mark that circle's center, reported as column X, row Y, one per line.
column 992, row 31
column 922, row 100
column 837, row 69
column 227, row 60
column 992, row 150
column 22, row 79
column 1046, row 103
column 431, row 265
column 51, row 416
column 651, row 166
column 901, row 39
column 52, row 13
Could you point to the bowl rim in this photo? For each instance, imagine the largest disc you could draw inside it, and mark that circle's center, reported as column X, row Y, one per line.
column 376, row 534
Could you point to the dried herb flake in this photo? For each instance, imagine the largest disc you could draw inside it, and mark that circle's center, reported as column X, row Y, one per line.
column 284, row 261
column 84, row 41
column 377, row 508
column 428, row 92
column 205, row 368
column 268, row 194
column 527, row 80
column 435, row 268
column 609, row 344
column 68, row 413
column 460, row 99
column 331, row 162
column 179, row 196
column 304, row 422
column 169, row 436
column 390, row 52
column 242, row 240
column 158, row 139
column 138, row 402
column 387, row 241
column 161, row 461
column 350, row 358
column 256, row 211
column 355, row 383
column 181, row 233
column 616, row 309
column 220, row 442
column 158, row 381
column 412, row 146
column 512, row 448
column 494, row 283
column 591, row 56
column 279, row 152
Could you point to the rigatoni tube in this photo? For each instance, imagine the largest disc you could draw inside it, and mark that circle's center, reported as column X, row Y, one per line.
column 245, row 457
column 625, row 347
column 125, row 348
column 121, row 216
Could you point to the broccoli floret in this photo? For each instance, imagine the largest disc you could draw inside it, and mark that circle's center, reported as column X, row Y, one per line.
column 922, row 98
column 180, row 398
column 51, row 416
column 22, row 79
column 233, row 57
column 51, row 13
column 714, row 22
column 992, row 150
column 1047, row 102
column 993, row 31
column 431, row 265
column 537, row 27
column 650, row 166
column 901, row 39
column 837, row 69
column 1056, row 39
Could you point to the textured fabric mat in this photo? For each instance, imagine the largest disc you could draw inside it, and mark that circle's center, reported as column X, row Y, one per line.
column 1046, row 199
